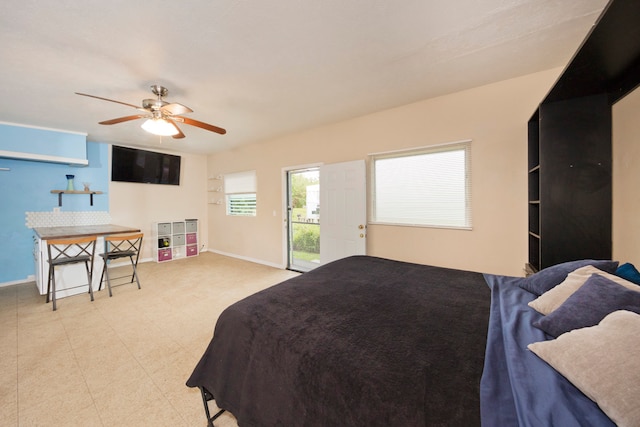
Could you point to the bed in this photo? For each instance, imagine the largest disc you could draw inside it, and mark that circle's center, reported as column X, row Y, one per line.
column 367, row 341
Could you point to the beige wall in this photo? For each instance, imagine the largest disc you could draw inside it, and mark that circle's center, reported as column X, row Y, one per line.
column 494, row 117
column 140, row 205
column 626, row 179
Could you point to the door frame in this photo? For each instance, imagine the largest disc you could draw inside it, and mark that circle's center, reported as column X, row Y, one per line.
column 285, row 212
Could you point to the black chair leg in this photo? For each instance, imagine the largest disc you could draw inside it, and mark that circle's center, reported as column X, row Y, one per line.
column 135, row 273
column 53, row 287
column 106, row 272
column 48, row 284
column 89, row 278
column 102, row 274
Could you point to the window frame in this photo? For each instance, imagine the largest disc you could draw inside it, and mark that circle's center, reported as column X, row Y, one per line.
column 240, row 185
column 465, row 145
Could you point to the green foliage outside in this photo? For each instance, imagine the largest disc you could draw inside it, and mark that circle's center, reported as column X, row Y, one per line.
column 306, row 238
column 299, row 184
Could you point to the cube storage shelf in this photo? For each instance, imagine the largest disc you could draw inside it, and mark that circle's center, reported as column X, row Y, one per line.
column 175, row 239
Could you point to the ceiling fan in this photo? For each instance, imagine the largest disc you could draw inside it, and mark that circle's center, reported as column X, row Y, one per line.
column 161, row 115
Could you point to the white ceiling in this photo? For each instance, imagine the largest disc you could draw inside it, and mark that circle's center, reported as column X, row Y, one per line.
column 262, row 69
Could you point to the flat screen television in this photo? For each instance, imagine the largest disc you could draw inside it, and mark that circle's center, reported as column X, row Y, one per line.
column 149, row 167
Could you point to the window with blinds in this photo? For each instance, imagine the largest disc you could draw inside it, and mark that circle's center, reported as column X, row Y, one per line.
column 428, row 186
column 240, row 193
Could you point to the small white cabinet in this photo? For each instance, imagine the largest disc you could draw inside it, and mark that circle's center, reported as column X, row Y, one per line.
column 175, row 239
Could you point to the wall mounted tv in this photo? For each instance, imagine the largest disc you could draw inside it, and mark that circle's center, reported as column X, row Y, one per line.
column 149, row 167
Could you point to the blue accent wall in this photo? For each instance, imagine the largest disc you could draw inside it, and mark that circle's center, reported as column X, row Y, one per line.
column 44, row 142
column 27, row 186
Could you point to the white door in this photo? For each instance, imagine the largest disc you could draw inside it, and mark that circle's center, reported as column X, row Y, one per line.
column 343, row 210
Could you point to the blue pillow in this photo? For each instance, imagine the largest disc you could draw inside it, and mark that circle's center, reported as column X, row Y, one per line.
column 591, row 303
column 628, row 271
column 550, row 277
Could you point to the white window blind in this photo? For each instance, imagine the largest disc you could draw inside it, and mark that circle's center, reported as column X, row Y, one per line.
column 428, row 186
column 240, row 193
column 240, row 182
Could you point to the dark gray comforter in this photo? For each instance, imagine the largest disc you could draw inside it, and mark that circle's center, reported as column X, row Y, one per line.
column 362, row 341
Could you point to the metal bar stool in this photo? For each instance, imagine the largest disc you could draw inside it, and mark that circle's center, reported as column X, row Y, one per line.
column 121, row 246
column 69, row 251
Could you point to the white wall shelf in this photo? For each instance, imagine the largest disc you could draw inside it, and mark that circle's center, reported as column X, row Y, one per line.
column 215, row 187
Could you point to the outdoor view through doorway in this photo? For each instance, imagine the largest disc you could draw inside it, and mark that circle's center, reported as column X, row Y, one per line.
column 303, row 206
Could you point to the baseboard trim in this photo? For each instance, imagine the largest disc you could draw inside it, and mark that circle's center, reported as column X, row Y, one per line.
column 32, row 279
column 29, row 279
column 244, row 258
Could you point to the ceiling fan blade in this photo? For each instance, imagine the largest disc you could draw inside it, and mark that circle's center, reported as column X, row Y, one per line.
column 174, row 109
column 179, row 135
column 202, row 125
column 122, row 119
column 110, row 100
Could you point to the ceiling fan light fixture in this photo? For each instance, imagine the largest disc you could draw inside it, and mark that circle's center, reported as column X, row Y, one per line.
column 160, row 114
column 159, row 127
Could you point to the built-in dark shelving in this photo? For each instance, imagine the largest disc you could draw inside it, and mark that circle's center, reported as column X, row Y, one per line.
column 608, row 60
column 569, row 148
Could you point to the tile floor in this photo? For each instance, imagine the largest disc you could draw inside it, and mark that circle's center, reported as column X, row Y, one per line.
column 124, row 360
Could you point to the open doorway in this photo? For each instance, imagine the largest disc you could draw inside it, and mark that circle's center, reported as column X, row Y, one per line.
column 303, row 219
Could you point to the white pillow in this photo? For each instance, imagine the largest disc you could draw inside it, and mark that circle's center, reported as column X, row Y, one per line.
column 553, row 298
column 602, row 361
